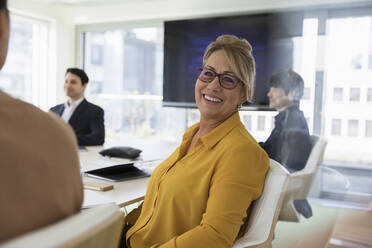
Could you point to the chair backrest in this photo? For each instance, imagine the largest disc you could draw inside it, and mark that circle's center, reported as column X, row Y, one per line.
column 313, row 139
column 265, row 210
column 299, row 182
column 316, row 155
column 304, row 178
column 96, row 227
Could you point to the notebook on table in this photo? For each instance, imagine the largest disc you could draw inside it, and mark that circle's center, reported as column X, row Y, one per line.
column 117, row 173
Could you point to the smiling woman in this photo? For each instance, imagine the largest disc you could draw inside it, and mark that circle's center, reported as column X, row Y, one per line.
column 216, row 102
column 217, row 161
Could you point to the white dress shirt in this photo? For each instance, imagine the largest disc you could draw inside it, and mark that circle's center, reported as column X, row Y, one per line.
column 70, row 108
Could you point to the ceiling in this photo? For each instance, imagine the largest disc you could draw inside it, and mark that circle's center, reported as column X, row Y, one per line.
column 89, row 2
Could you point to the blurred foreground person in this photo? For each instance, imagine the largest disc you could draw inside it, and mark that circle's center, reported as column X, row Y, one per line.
column 39, row 170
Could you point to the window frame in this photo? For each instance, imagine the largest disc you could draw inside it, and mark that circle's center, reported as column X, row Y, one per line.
column 44, row 82
column 102, row 27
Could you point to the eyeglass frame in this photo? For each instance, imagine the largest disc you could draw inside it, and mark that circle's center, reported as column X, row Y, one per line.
column 200, row 69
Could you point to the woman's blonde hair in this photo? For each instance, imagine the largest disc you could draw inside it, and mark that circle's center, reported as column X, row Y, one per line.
column 239, row 55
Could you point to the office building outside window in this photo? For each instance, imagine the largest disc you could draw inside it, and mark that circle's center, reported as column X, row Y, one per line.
column 307, row 93
column 126, row 72
column 337, row 94
column 353, row 128
column 348, row 72
column 247, row 120
column 369, row 95
column 336, row 127
column 261, row 123
column 354, row 94
column 273, row 122
column 369, row 128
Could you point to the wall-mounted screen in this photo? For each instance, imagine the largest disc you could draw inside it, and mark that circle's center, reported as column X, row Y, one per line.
column 185, row 42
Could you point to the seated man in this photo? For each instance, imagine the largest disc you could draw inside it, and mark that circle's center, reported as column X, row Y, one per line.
column 85, row 118
column 289, row 142
column 39, row 172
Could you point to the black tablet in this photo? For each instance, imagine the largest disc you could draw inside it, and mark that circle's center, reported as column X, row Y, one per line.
column 117, row 173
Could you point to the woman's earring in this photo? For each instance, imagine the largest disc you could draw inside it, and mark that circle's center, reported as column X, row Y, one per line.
column 238, row 107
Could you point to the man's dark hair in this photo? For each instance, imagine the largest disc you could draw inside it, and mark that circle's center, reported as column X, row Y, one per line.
column 288, row 81
column 4, row 4
column 80, row 73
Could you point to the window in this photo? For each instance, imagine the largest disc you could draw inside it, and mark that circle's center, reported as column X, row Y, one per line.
column 26, row 73
column 96, row 54
column 354, row 94
column 356, row 61
column 95, row 87
column 306, row 95
column 247, row 119
column 348, row 71
column 261, row 123
column 125, row 68
column 353, row 128
column 369, row 128
column 336, row 127
column 351, row 71
column 357, row 57
column 369, row 95
column 337, row 94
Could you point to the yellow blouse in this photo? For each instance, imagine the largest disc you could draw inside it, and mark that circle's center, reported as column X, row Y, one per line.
column 201, row 199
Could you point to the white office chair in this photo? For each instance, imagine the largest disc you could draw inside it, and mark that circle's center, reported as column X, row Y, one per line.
column 92, row 228
column 299, row 182
column 265, row 210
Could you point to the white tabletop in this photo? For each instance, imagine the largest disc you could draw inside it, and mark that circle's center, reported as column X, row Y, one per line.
column 124, row 193
column 90, row 159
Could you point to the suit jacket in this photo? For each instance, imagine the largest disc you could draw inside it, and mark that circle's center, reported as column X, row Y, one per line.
column 87, row 122
column 39, row 168
column 289, row 142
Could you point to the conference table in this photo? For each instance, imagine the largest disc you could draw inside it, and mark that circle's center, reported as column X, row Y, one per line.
column 124, row 193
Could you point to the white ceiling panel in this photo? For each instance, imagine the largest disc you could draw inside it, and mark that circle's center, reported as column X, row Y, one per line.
column 90, row 2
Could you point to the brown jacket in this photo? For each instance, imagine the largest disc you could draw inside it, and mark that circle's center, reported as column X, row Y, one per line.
column 40, row 181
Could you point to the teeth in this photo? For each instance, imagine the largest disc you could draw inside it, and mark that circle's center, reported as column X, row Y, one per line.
column 212, row 99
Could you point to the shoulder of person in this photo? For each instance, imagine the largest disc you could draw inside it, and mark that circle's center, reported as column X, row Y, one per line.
column 94, row 106
column 55, row 108
column 244, row 159
column 295, row 115
column 61, row 126
column 50, row 124
column 17, row 107
column 34, row 119
column 243, row 145
column 239, row 137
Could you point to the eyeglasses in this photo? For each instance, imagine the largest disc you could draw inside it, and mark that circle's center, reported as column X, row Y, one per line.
column 226, row 80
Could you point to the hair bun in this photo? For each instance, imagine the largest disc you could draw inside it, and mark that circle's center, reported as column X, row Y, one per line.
column 228, row 39
column 248, row 45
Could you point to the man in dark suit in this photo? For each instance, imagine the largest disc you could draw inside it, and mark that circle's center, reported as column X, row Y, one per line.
column 289, row 142
column 85, row 118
